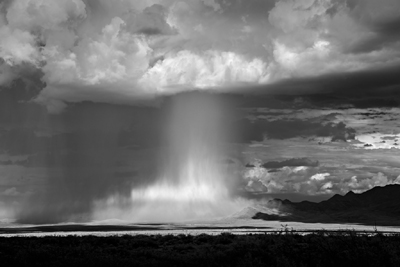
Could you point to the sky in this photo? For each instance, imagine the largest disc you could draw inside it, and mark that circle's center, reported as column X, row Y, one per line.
column 307, row 91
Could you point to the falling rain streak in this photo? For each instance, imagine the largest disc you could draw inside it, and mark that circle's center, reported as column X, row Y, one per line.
column 194, row 182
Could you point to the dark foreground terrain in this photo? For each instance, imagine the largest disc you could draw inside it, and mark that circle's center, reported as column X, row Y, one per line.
column 280, row 249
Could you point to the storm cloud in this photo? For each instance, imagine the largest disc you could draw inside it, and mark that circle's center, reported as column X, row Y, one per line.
column 133, row 50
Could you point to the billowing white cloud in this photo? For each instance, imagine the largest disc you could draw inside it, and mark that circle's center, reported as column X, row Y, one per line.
column 311, row 181
column 287, row 179
column 111, row 57
column 205, row 70
column 360, row 185
column 319, row 176
column 111, row 51
column 17, row 46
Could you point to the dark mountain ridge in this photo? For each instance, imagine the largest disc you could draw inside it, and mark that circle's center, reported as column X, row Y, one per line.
column 378, row 206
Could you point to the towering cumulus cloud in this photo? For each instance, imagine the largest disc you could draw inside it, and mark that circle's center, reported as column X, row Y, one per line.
column 127, row 50
column 94, row 50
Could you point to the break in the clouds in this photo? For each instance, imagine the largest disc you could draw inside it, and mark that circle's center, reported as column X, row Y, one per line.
column 125, row 50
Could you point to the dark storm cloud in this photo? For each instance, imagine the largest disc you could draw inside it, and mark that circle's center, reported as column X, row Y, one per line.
column 384, row 34
column 20, row 141
column 76, row 153
column 84, row 162
column 380, row 20
column 19, row 118
column 150, row 31
column 391, row 27
column 202, row 43
column 374, row 87
column 285, row 129
column 102, row 151
column 14, row 162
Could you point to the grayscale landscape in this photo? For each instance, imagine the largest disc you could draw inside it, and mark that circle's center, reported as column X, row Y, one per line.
column 202, row 125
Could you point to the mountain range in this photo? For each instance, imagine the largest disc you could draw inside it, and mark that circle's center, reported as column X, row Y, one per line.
column 377, row 206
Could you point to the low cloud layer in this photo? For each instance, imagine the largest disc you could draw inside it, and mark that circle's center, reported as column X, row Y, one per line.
column 132, row 50
column 309, row 180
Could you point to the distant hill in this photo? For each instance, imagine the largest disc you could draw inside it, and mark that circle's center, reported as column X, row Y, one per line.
column 378, row 206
